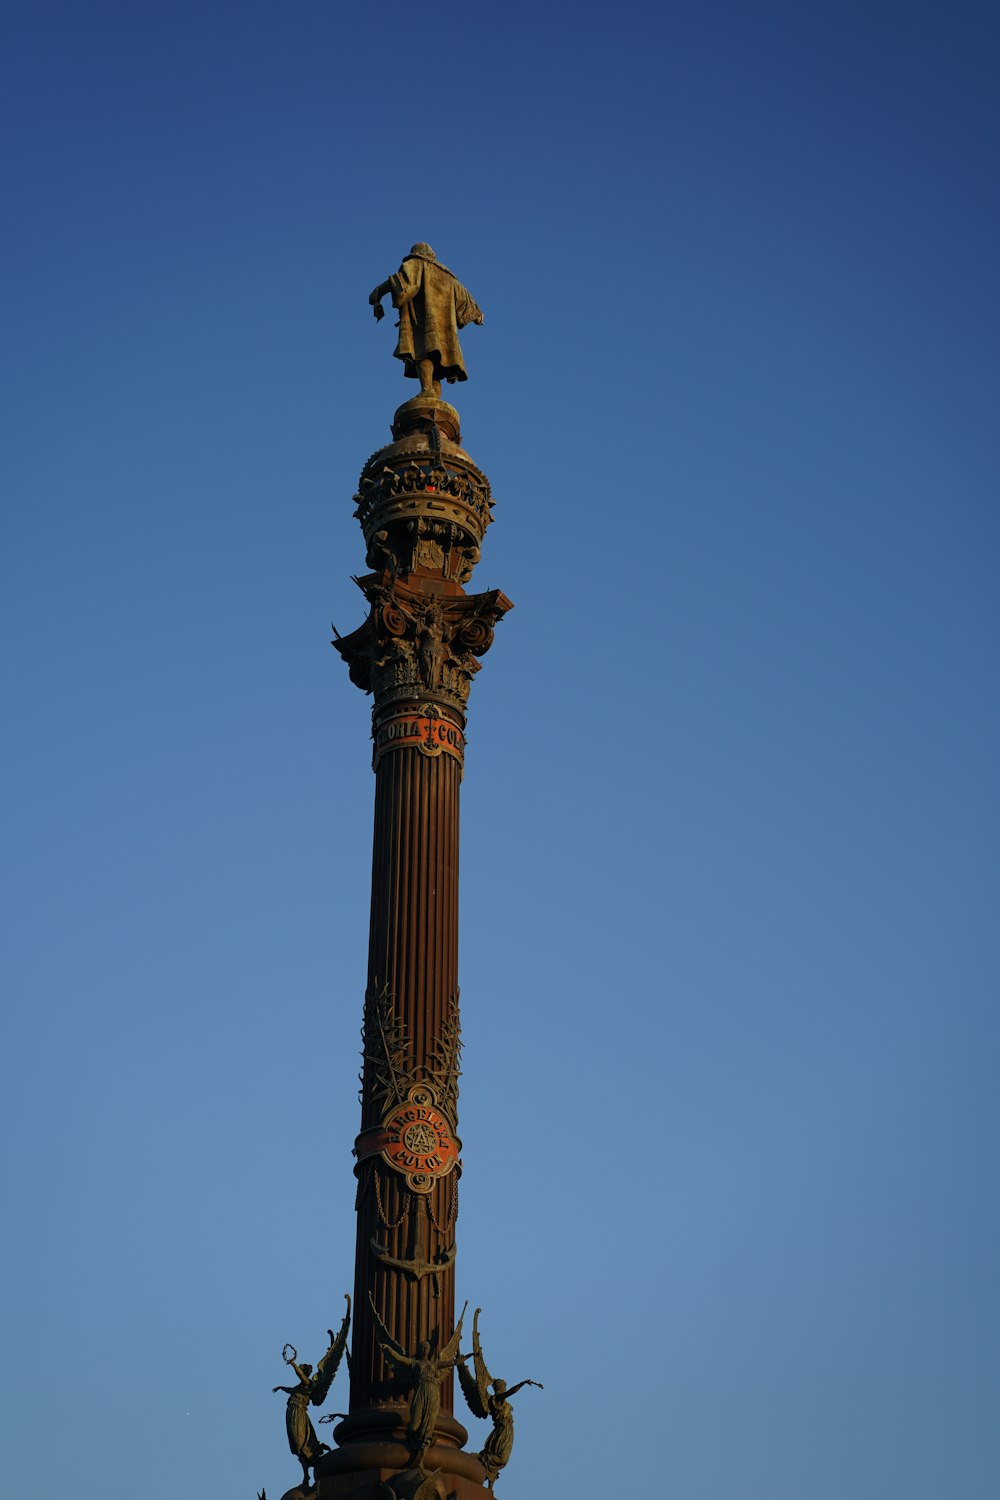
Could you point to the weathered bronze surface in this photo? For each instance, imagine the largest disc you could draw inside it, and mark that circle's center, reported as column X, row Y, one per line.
column 432, row 305
column 495, row 1404
column 421, row 1374
column 311, row 1389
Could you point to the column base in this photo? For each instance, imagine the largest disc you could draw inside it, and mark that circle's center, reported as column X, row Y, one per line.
column 406, row 1484
column 375, row 1464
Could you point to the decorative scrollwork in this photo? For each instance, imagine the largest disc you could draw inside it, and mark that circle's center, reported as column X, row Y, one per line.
column 393, row 620
column 476, row 636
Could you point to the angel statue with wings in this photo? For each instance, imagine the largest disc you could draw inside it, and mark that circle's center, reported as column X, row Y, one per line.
column 302, row 1439
column 495, row 1405
column 423, row 1374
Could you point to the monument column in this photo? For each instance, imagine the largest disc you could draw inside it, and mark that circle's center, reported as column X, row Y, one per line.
column 424, row 508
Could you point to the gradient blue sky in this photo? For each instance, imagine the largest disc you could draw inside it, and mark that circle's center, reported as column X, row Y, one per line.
column 730, row 875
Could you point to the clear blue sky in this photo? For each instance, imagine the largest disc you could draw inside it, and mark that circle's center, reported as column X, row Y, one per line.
column 730, row 854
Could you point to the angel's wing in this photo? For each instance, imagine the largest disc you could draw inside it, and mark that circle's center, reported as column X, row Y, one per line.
column 483, row 1376
column 474, row 1386
column 384, row 1337
column 330, row 1363
column 450, row 1350
column 470, row 1390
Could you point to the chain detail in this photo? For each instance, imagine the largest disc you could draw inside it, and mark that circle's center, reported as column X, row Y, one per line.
column 445, row 1228
column 364, row 1182
column 381, row 1207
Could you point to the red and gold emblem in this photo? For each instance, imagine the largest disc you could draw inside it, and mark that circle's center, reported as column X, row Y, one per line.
column 430, row 734
column 415, row 1139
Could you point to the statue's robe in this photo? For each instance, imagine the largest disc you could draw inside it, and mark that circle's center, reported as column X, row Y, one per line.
column 433, row 305
column 500, row 1443
column 301, row 1433
column 425, row 1401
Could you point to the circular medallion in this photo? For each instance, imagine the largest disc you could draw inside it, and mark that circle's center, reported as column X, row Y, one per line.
column 417, row 1140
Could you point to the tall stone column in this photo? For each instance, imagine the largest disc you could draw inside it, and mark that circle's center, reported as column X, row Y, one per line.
column 424, row 508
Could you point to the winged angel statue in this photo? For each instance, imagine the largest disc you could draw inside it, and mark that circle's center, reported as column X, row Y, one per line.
column 423, row 1375
column 302, row 1439
column 495, row 1405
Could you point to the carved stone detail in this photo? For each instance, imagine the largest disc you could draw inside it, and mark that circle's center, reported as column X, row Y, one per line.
column 436, row 546
column 416, row 644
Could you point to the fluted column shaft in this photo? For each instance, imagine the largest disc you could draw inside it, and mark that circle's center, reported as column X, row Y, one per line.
column 413, row 956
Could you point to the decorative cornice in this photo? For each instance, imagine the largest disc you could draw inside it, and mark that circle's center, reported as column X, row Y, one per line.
column 455, row 488
column 423, row 504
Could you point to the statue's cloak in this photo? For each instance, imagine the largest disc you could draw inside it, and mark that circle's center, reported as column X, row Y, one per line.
column 433, row 305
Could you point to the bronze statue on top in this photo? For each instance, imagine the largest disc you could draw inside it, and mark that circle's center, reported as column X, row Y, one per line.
column 495, row 1405
column 433, row 305
column 302, row 1439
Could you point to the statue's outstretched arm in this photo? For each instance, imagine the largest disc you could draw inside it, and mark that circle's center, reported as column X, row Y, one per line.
column 467, row 309
column 520, row 1386
column 400, row 1361
column 375, row 298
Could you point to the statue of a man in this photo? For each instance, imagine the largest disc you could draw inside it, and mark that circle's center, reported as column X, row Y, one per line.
column 432, row 305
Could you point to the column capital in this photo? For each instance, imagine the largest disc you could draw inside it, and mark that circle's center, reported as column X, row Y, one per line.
column 420, row 644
